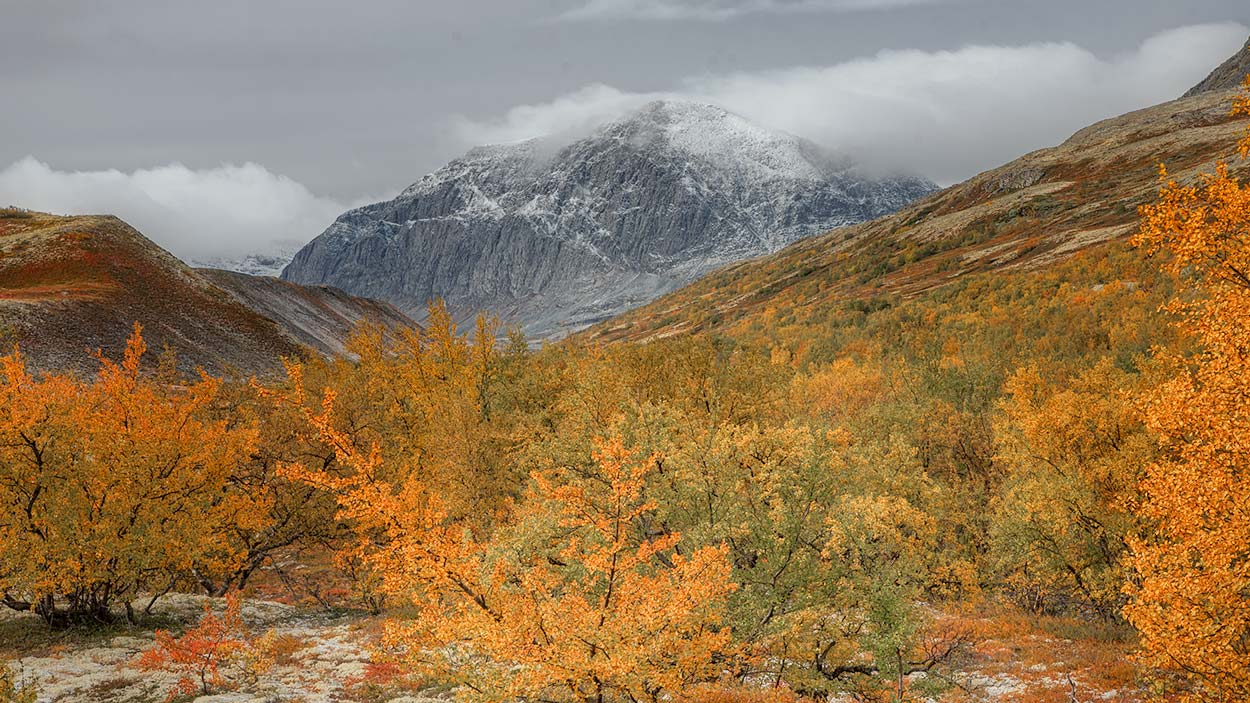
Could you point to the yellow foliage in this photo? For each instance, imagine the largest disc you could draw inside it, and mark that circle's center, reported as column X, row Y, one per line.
column 112, row 486
column 568, row 594
column 1073, row 452
column 1192, row 601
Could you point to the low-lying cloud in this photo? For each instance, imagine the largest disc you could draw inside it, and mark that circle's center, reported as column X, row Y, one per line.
column 945, row 114
column 204, row 214
column 717, row 10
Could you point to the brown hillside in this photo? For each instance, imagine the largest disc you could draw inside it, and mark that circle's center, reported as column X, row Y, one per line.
column 320, row 317
column 1036, row 210
column 71, row 285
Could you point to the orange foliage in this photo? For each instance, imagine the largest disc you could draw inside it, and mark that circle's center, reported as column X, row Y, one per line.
column 716, row 693
column 1192, row 605
column 115, row 486
column 200, row 654
column 568, row 593
column 1073, row 451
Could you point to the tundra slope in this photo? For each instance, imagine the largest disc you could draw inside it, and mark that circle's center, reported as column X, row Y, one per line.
column 557, row 237
column 72, row 285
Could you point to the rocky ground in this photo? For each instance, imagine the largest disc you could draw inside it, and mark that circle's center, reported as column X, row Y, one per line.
column 319, row 658
column 1020, row 658
column 315, row 658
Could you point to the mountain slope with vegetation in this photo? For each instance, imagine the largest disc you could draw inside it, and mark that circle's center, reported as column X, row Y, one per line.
column 318, row 317
column 72, row 285
column 1026, row 215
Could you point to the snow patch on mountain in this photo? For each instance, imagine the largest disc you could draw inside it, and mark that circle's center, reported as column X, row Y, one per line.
column 256, row 264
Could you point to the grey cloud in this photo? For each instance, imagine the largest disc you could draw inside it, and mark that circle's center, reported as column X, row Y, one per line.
column 719, row 10
column 227, row 211
column 946, row 114
column 360, row 98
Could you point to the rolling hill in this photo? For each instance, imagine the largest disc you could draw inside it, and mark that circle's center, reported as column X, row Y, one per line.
column 71, row 285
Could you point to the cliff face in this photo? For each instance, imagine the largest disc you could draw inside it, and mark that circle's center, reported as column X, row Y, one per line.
column 557, row 238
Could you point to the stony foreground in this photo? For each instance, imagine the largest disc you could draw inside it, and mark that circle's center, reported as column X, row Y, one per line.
column 323, row 658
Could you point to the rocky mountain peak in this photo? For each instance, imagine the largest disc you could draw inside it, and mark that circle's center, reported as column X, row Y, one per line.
column 555, row 235
column 713, row 135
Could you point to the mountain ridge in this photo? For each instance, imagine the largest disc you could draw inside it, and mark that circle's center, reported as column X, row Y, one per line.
column 559, row 236
column 1226, row 76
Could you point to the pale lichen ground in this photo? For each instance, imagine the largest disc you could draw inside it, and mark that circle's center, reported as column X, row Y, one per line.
column 327, row 658
column 328, row 662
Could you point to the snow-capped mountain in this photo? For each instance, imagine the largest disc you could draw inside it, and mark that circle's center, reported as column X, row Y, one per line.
column 255, row 264
column 558, row 236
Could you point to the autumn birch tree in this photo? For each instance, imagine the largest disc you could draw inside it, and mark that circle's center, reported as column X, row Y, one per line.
column 1192, row 603
column 571, row 595
column 109, row 488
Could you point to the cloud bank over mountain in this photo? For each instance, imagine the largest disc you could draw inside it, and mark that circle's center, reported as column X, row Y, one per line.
column 944, row 114
column 225, row 211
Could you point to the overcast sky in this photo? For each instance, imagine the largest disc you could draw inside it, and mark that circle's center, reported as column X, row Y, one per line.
column 226, row 126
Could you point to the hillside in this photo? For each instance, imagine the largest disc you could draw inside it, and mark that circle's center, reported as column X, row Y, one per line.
column 555, row 236
column 319, row 317
column 1037, row 210
column 71, row 285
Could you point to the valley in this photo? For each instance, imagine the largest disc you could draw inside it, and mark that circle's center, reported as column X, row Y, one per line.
column 674, row 409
